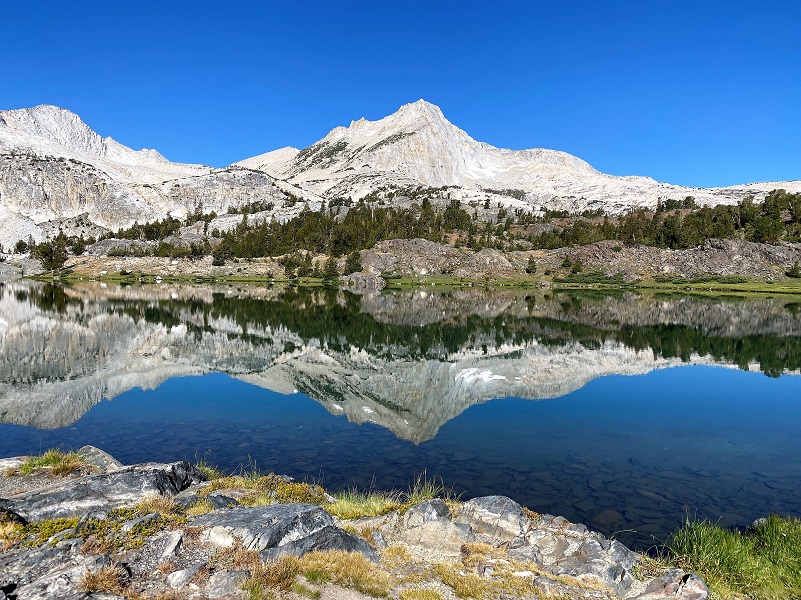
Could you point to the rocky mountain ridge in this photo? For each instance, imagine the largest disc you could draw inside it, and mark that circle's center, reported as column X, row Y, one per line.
column 417, row 145
column 56, row 172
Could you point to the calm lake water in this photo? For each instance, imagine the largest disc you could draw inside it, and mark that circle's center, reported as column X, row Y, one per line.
column 625, row 412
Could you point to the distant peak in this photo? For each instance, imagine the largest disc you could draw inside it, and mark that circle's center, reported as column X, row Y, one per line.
column 421, row 107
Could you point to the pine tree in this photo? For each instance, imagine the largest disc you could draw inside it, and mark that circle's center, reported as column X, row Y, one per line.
column 330, row 271
column 531, row 266
column 353, row 264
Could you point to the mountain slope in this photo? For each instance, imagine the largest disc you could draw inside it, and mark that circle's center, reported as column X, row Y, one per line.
column 54, row 168
column 417, row 145
column 55, row 172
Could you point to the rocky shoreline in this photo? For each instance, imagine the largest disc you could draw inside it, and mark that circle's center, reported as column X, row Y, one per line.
column 419, row 258
column 180, row 530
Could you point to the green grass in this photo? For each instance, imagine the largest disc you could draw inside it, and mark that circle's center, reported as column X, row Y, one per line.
column 750, row 287
column 762, row 563
column 424, row 489
column 352, row 503
column 592, row 277
column 59, row 463
column 211, row 472
column 355, row 504
column 677, row 280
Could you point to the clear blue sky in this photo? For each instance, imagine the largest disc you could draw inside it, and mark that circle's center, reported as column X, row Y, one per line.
column 692, row 92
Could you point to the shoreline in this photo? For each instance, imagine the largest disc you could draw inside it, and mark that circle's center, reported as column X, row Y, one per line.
column 490, row 545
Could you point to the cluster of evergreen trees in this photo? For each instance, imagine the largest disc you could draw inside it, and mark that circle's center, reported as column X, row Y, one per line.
column 674, row 224
column 681, row 226
column 324, row 232
column 776, row 219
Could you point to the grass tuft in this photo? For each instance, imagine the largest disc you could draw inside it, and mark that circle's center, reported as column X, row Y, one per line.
column 463, row 584
column 279, row 574
column 200, row 507
column 355, row 504
column 269, row 489
column 236, row 558
column 106, row 579
column 349, row 569
column 59, row 463
column 424, row 489
column 156, row 503
column 211, row 472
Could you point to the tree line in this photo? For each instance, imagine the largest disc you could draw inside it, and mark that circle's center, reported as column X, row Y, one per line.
column 339, row 231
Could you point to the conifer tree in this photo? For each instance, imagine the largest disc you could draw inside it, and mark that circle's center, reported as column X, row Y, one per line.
column 353, row 264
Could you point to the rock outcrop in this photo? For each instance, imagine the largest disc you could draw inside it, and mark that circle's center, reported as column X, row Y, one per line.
column 490, row 540
column 102, row 492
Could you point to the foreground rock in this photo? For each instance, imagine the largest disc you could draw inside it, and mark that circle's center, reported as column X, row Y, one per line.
column 159, row 548
column 102, row 492
column 280, row 529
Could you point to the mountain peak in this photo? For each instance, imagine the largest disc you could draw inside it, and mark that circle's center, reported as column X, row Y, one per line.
column 55, row 125
column 420, row 112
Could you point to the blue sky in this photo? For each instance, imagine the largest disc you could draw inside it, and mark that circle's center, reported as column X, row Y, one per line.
column 697, row 93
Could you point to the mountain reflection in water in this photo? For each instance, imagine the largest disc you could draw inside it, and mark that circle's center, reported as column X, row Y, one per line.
column 411, row 362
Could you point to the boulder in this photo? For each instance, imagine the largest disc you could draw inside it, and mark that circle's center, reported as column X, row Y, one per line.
column 430, row 510
column 327, row 538
column 565, row 548
column 48, row 572
column 498, row 517
column 102, row 492
column 217, row 501
column 263, row 527
column 280, row 529
column 441, row 535
column 675, row 584
column 610, row 562
column 178, row 579
column 172, row 541
column 225, row 583
column 97, row 458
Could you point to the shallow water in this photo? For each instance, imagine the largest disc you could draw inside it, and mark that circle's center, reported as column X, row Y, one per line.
column 392, row 386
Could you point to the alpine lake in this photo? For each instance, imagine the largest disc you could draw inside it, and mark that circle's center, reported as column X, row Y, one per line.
column 627, row 411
